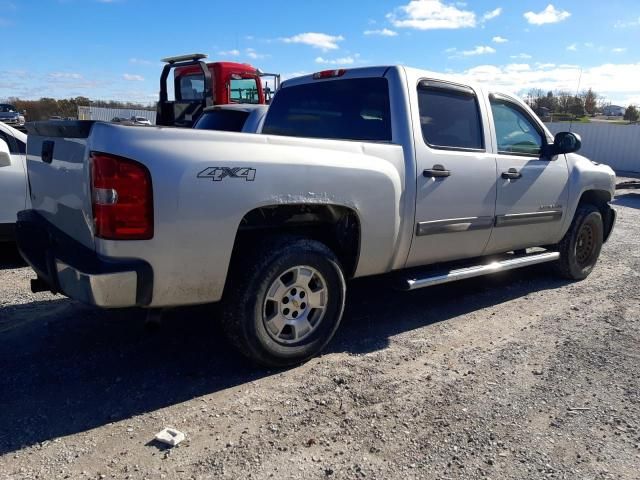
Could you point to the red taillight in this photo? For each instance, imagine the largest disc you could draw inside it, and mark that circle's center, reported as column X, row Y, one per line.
column 329, row 74
column 122, row 198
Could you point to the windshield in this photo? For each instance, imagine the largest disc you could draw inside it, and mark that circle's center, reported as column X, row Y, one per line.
column 225, row 120
column 244, row 90
column 5, row 108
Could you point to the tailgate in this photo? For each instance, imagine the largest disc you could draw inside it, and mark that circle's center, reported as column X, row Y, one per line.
column 59, row 178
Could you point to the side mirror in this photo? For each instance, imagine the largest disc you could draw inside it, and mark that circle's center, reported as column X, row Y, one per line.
column 567, row 142
column 5, row 155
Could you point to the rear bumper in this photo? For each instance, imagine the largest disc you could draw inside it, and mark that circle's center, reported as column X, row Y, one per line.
column 70, row 268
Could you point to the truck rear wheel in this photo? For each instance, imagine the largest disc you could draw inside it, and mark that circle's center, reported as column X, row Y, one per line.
column 580, row 247
column 285, row 301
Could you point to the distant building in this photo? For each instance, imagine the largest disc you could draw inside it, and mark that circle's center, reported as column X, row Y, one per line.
column 108, row 114
column 614, row 111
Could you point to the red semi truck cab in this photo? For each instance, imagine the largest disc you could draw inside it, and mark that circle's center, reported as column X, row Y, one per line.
column 231, row 83
column 197, row 85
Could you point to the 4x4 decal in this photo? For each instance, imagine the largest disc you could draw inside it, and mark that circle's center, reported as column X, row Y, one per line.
column 218, row 173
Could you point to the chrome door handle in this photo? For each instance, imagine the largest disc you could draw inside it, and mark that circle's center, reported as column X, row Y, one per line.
column 512, row 173
column 437, row 171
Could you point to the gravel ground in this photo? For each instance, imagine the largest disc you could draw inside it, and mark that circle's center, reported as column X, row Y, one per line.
column 515, row 376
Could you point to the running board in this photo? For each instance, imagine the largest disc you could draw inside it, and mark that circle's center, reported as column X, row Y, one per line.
column 478, row 270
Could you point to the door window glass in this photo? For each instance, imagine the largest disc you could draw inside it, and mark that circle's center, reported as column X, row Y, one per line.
column 11, row 142
column 516, row 133
column 450, row 118
column 22, row 147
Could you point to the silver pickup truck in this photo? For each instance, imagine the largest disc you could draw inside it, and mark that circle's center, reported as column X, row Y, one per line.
column 356, row 172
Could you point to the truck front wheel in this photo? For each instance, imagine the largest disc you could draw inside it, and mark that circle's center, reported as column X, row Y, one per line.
column 285, row 301
column 580, row 247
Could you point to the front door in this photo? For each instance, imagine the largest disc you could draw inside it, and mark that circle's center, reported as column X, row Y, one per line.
column 456, row 184
column 532, row 190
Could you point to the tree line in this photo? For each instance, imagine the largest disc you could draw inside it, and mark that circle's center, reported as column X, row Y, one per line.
column 563, row 102
column 584, row 103
column 45, row 108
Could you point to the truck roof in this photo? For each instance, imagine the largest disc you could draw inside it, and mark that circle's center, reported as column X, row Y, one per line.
column 234, row 65
column 358, row 72
column 413, row 76
column 241, row 67
column 411, row 73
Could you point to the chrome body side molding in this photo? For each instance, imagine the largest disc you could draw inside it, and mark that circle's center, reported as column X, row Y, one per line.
column 528, row 218
column 454, row 225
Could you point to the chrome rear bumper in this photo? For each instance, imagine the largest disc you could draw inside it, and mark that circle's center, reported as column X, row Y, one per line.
column 66, row 266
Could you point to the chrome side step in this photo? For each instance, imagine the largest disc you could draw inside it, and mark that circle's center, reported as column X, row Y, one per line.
column 479, row 270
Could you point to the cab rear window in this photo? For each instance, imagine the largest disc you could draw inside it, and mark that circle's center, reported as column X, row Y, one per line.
column 350, row 109
column 191, row 87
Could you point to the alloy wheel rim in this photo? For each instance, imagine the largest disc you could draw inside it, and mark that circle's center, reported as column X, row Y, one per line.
column 295, row 304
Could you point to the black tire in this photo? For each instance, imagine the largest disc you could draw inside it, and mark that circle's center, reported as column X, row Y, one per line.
column 580, row 247
column 254, row 274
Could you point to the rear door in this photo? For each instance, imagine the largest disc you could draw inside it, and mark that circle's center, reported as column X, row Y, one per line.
column 13, row 184
column 532, row 190
column 456, row 173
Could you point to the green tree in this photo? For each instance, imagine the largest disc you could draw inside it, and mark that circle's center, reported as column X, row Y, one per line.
column 564, row 100
column 590, row 101
column 632, row 114
column 45, row 108
column 577, row 107
column 534, row 98
column 550, row 101
column 82, row 101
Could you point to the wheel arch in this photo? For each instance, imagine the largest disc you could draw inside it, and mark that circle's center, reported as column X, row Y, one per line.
column 337, row 226
column 600, row 199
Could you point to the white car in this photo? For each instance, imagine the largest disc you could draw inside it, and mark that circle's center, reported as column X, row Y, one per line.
column 10, row 115
column 13, row 179
column 140, row 120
